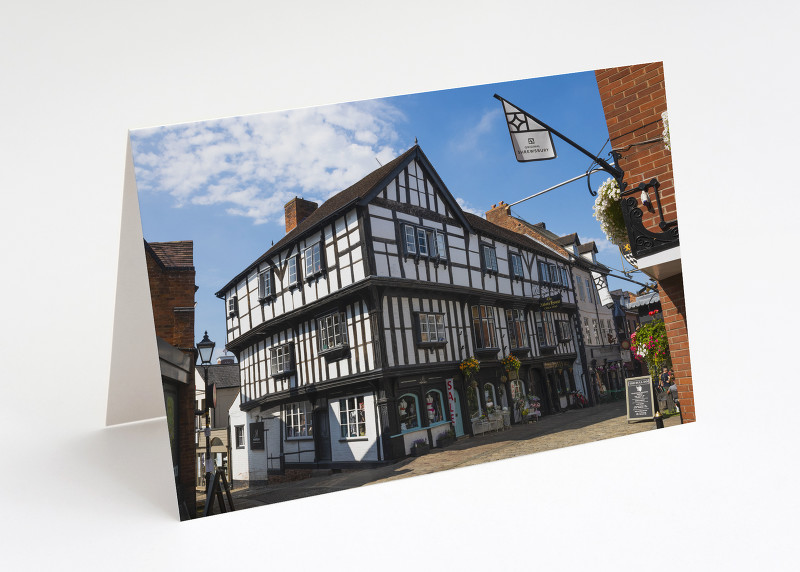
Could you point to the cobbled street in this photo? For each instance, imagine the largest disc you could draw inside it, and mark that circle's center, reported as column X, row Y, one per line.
column 551, row 432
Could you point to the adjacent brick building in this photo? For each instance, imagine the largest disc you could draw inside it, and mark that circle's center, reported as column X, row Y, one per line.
column 634, row 99
column 171, row 273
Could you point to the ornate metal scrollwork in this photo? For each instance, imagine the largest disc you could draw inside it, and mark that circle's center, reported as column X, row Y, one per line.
column 644, row 242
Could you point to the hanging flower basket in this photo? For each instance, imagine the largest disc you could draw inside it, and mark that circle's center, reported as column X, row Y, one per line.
column 608, row 211
column 511, row 363
column 665, row 133
column 649, row 343
column 469, row 367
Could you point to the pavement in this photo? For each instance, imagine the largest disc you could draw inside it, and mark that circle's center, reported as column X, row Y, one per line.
column 573, row 427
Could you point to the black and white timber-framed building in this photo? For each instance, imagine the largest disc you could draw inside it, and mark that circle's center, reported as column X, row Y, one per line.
column 348, row 328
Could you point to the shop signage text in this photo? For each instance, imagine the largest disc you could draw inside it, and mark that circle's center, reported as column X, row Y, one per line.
column 550, row 303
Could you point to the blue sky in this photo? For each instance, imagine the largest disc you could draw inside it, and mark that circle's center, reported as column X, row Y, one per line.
column 223, row 183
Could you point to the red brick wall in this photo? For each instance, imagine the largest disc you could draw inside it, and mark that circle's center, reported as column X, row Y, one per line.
column 500, row 215
column 633, row 99
column 296, row 211
column 170, row 289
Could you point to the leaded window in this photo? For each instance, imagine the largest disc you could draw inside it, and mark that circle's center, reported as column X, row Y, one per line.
column 517, row 330
column 483, row 327
column 431, row 328
column 266, row 285
column 313, row 256
column 281, row 359
column 352, row 417
column 332, row 331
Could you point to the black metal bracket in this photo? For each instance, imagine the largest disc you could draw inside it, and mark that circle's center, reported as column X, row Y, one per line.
column 644, row 242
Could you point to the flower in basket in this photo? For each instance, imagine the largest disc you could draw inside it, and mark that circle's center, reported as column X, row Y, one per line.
column 608, row 211
column 469, row 367
column 510, row 363
column 525, row 412
column 419, row 443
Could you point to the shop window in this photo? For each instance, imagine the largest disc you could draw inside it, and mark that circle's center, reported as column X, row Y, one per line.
column 434, row 406
column 239, row 436
column 483, row 328
column 352, row 417
column 490, row 397
column 517, row 390
column 298, row 421
column 408, row 409
column 473, row 403
column 488, row 258
column 517, row 330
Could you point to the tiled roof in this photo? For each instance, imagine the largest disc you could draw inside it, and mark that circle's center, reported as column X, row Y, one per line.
column 178, row 254
column 328, row 208
column 588, row 247
column 223, row 375
column 509, row 236
column 568, row 239
column 645, row 299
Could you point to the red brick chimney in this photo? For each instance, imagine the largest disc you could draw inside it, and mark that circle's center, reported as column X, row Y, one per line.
column 499, row 215
column 297, row 210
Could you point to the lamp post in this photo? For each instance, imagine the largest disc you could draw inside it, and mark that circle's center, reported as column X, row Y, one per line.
column 205, row 349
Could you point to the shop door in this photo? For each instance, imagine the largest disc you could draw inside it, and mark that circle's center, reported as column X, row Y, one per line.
column 322, row 436
column 458, row 424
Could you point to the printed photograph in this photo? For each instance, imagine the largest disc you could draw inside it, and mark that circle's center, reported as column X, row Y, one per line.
column 355, row 293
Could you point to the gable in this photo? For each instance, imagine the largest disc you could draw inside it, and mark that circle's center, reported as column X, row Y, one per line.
column 414, row 186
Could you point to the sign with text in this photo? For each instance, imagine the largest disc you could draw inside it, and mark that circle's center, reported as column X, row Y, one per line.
column 532, row 141
column 451, row 398
column 550, row 303
column 639, row 398
column 257, row 436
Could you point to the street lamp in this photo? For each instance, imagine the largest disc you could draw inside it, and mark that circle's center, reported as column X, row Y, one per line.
column 205, row 349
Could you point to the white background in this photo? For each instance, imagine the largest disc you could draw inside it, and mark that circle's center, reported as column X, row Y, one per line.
column 718, row 493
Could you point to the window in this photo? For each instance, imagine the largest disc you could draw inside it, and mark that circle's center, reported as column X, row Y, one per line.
column 489, row 258
column 516, row 265
column 564, row 277
column 434, row 405
column 352, row 417
column 544, row 330
column 589, row 288
column 266, row 285
column 580, row 289
column 332, row 331
column 239, row 436
column 233, row 306
column 483, row 330
column 292, row 265
column 544, row 272
column 587, row 332
column 554, row 275
column 517, row 331
column 431, row 328
column 489, row 396
column 313, row 256
column 426, row 242
column 564, row 331
column 603, row 332
column 517, row 390
column 298, row 421
column 596, row 331
column 407, row 408
column 280, row 360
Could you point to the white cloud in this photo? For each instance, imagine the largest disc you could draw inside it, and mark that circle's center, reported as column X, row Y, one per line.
column 253, row 165
column 465, row 206
column 469, row 140
column 603, row 245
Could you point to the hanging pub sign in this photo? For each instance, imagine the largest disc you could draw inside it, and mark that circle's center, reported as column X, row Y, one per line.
column 532, row 141
column 550, row 303
column 639, row 398
column 257, row 436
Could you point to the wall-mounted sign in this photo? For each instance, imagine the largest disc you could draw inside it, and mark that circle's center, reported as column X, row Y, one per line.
column 532, row 141
column 550, row 303
column 639, row 398
column 451, row 398
column 257, row 436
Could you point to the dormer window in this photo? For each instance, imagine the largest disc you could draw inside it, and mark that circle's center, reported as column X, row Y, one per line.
column 489, row 258
column 233, row 306
column 266, row 285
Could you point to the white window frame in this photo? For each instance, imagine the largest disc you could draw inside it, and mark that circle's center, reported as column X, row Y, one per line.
column 419, row 241
column 233, row 306
column 313, row 257
column 351, row 424
column 564, row 277
column 298, row 421
column 266, row 284
column 422, row 241
column 432, row 329
column 332, row 327
column 409, row 239
column 544, row 272
column 239, row 436
column 489, row 257
column 281, row 359
column 292, row 267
